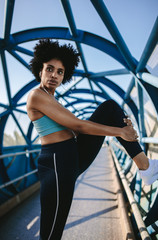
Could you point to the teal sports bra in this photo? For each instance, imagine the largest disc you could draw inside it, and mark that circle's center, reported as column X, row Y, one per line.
column 46, row 125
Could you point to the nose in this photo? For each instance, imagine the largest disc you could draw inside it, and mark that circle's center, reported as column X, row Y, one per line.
column 54, row 74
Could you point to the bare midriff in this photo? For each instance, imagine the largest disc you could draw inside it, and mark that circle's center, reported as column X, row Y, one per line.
column 57, row 137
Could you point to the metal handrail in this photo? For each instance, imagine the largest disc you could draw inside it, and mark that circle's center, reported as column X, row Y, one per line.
column 150, row 140
column 23, row 176
column 153, row 140
column 19, row 153
column 133, row 204
column 17, row 179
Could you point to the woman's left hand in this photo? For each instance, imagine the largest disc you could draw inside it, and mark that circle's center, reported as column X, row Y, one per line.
column 128, row 133
column 128, row 121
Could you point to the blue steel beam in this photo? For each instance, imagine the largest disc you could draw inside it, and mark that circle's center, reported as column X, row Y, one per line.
column 129, row 89
column 111, row 26
column 3, row 105
column 87, row 38
column 24, row 50
column 73, row 85
column 153, row 93
column 4, row 113
column 9, row 8
column 151, row 43
column 130, row 104
column 85, row 91
column 91, row 106
column 110, row 73
column 21, row 104
column 94, row 76
column 87, row 110
column 18, row 110
column 149, row 78
column 70, row 18
column 73, row 28
column 121, row 93
column 102, row 89
column 81, row 101
column 2, row 125
column 58, row 97
column 141, row 110
column 24, row 136
column 107, row 82
column 6, row 77
column 84, row 113
column 116, row 89
column 29, row 132
column 24, row 90
column 78, row 99
column 20, row 59
column 95, row 82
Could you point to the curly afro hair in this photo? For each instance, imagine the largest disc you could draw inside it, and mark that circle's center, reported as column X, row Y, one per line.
column 47, row 49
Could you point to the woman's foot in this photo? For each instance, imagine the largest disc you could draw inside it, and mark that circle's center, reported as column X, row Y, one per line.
column 150, row 175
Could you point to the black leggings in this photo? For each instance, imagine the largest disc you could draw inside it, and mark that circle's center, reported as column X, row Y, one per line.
column 60, row 164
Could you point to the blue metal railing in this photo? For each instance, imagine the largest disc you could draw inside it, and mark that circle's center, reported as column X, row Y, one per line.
column 143, row 200
column 20, row 172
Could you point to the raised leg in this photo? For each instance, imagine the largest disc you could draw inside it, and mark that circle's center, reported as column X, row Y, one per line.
column 108, row 113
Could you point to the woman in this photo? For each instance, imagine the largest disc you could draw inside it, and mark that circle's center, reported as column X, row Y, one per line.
column 69, row 145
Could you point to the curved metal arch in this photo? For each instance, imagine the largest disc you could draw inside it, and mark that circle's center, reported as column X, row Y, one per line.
column 24, row 90
column 87, row 91
column 15, row 99
column 121, row 93
column 81, row 101
column 86, row 108
column 87, row 38
column 130, row 103
column 112, row 86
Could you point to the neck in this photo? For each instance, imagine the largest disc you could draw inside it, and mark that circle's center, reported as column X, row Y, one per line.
column 47, row 91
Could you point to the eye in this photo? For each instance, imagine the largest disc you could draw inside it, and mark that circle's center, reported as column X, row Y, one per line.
column 49, row 69
column 60, row 72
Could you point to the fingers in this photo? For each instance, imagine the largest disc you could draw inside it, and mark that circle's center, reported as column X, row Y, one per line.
column 135, row 136
column 128, row 121
column 131, row 134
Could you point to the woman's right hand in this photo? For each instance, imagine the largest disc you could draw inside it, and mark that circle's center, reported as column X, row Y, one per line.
column 129, row 134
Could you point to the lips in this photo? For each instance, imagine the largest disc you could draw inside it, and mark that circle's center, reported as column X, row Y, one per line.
column 52, row 82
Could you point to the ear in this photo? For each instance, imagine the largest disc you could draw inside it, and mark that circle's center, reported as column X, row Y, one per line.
column 40, row 74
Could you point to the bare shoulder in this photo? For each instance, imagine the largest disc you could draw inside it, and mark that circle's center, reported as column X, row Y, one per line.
column 36, row 97
column 35, row 93
column 33, row 100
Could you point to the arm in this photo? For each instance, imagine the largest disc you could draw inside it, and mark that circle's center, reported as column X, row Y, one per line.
column 41, row 102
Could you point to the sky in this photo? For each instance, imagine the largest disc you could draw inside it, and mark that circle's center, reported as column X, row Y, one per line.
column 134, row 20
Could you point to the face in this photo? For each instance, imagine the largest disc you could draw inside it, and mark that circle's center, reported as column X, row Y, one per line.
column 52, row 74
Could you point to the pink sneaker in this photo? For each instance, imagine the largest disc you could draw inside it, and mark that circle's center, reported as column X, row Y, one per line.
column 150, row 175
